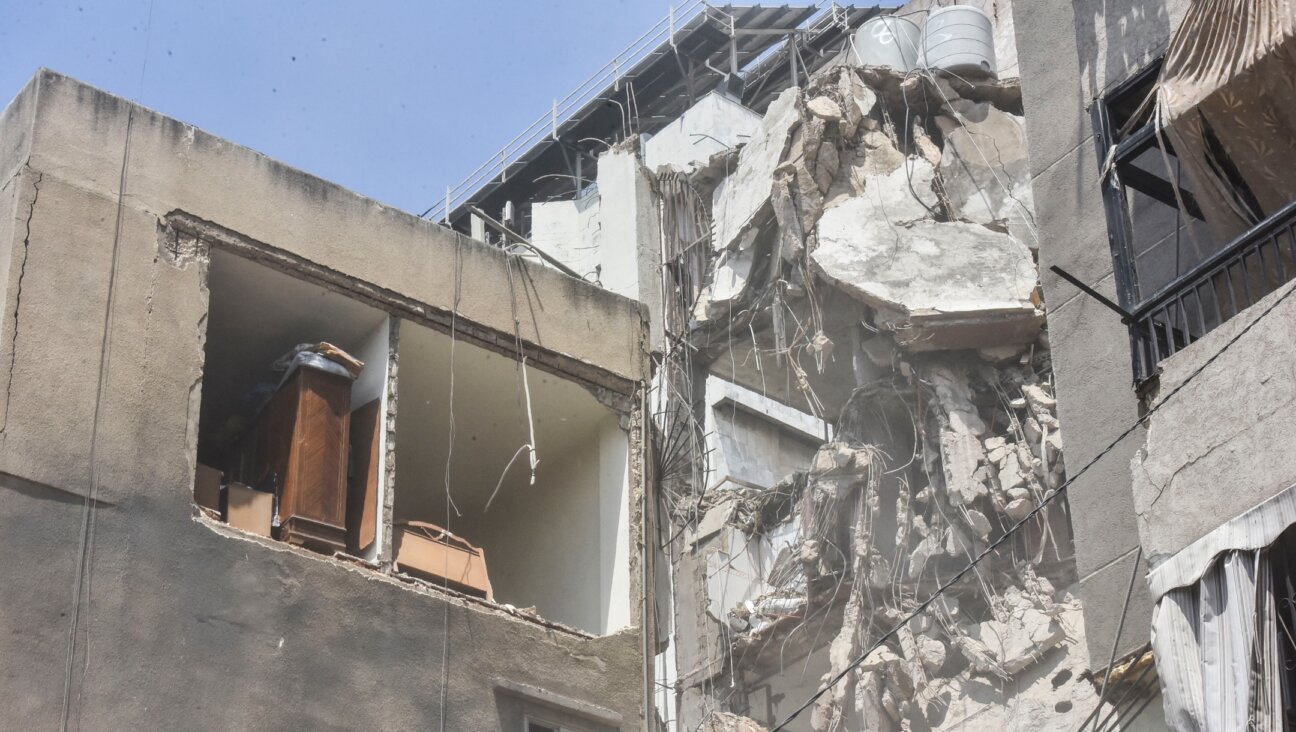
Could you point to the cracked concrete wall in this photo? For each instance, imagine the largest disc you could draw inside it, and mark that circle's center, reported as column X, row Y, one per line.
column 181, row 618
column 1223, row 444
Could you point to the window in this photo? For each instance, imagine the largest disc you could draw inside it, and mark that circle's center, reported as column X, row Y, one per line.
column 1176, row 275
column 288, row 439
column 531, row 709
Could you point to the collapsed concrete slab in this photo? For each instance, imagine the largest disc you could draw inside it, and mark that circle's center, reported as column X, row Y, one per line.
column 739, row 198
column 935, row 285
column 985, row 171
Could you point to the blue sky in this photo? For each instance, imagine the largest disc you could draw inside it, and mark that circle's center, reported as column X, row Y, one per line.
column 395, row 100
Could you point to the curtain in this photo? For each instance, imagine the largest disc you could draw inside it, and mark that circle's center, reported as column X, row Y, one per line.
column 1226, row 102
column 1217, row 651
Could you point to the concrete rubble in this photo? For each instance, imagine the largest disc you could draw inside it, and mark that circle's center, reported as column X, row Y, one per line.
column 863, row 255
column 906, row 200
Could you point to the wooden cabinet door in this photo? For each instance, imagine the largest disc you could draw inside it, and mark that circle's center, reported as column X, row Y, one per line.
column 320, row 448
column 362, row 498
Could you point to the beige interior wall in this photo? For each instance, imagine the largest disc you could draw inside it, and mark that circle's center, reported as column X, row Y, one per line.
column 560, row 545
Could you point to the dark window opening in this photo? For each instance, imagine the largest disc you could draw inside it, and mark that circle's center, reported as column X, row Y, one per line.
column 289, row 429
column 1177, row 278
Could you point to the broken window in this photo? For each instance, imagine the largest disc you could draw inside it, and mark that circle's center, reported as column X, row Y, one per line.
column 549, row 525
column 1161, row 229
column 293, row 398
column 531, row 709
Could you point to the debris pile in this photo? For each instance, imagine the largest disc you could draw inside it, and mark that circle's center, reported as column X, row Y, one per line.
column 881, row 222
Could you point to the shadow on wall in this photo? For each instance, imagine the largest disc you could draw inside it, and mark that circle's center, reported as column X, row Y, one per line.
column 1117, row 36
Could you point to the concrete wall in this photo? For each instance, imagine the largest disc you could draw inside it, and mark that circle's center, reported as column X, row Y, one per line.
column 753, row 440
column 182, row 622
column 1222, row 445
column 1069, row 52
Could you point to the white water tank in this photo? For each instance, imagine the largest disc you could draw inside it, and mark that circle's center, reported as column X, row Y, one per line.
column 888, row 40
column 959, row 39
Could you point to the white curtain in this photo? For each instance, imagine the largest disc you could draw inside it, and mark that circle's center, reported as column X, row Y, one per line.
column 1216, row 648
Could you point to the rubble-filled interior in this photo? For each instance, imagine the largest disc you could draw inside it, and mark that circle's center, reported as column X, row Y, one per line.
column 555, row 537
column 880, row 268
column 853, row 399
column 258, row 317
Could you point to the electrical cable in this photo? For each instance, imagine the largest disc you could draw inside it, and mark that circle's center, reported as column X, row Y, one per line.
column 89, row 505
column 1049, row 498
column 1120, row 628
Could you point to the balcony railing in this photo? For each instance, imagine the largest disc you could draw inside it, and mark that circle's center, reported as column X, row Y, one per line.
column 1229, row 281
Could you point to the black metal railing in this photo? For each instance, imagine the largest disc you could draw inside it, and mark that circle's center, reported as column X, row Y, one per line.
column 1226, row 283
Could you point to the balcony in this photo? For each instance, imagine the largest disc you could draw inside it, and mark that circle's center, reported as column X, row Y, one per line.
column 1224, row 284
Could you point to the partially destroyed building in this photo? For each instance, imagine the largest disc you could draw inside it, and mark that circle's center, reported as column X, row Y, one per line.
column 428, row 515
column 853, row 396
column 775, row 378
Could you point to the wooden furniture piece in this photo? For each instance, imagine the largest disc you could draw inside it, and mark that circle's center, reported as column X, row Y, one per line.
column 362, row 498
column 431, row 551
column 302, row 452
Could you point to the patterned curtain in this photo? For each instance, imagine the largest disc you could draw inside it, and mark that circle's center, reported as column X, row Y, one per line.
column 1226, row 102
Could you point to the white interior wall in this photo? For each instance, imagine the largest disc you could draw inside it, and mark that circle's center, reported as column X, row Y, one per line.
column 560, row 545
column 754, row 439
column 569, row 231
column 374, row 350
column 614, row 523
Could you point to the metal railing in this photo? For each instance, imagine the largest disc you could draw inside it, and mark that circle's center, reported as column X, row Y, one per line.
column 1226, row 283
column 551, row 122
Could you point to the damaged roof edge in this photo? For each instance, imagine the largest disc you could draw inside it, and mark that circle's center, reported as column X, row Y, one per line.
column 79, row 132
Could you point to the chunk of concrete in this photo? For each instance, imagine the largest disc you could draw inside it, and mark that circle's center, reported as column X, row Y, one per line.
column 985, row 169
column 739, row 198
column 714, row 124
column 936, row 285
column 825, row 108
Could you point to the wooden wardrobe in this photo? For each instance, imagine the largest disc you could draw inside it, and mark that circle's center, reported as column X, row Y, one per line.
column 302, row 439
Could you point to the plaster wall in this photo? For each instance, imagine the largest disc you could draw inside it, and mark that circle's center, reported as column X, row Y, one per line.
column 1222, row 445
column 569, row 232
column 180, row 620
column 1069, row 52
column 375, row 352
column 630, row 234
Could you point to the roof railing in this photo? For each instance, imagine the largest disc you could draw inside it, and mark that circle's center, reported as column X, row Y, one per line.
column 551, row 122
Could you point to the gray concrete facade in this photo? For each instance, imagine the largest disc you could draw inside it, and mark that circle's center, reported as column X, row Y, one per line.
column 1212, row 453
column 183, row 622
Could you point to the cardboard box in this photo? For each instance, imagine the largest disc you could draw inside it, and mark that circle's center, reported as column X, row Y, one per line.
column 207, row 483
column 248, row 509
column 431, row 551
